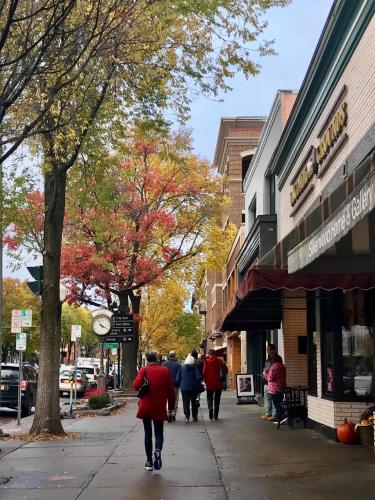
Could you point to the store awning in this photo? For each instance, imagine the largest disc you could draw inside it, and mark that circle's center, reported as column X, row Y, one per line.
column 258, row 305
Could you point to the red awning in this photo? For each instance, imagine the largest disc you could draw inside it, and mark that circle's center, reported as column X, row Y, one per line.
column 258, row 305
column 277, row 279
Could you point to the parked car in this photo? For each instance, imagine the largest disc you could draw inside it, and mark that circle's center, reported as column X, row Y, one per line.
column 9, row 387
column 82, row 382
column 91, row 373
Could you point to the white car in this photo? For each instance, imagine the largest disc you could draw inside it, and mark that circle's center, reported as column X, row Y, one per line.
column 82, row 382
column 91, row 373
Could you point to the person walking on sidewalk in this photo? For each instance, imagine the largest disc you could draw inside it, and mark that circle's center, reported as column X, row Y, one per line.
column 270, row 408
column 152, row 407
column 214, row 373
column 189, row 379
column 174, row 367
column 276, row 379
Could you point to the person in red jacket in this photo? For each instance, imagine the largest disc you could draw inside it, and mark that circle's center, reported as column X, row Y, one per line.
column 152, row 407
column 214, row 371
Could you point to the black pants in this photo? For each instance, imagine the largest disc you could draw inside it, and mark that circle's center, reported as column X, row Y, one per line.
column 159, row 436
column 190, row 398
column 213, row 401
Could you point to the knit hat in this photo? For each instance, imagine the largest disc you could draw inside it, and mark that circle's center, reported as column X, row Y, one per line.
column 189, row 360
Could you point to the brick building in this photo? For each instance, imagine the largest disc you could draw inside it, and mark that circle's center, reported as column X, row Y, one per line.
column 236, row 144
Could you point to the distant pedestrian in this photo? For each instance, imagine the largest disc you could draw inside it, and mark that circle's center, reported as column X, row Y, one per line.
column 152, row 407
column 270, row 408
column 214, row 373
column 276, row 379
column 189, row 380
column 199, row 364
column 174, row 367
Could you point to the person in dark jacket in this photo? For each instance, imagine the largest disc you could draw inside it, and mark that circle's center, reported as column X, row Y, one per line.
column 174, row 367
column 189, row 379
column 152, row 407
column 199, row 364
column 214, row 371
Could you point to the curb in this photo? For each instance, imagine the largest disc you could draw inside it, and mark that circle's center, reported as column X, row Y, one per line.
column 103, row 411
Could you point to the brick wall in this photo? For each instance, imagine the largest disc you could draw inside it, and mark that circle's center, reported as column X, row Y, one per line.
column 294, row 325
column 359, row 77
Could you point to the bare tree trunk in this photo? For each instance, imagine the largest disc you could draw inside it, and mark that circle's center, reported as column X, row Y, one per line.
column 130, row 349
column 47, row 416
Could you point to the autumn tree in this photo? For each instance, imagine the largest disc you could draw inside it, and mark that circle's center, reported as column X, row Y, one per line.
column 113, row 58
column 74, row 315
column 133, row 217
column 17, row 295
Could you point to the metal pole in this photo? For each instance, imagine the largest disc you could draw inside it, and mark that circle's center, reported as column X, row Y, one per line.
column 19, row 388
column 118, row 369
column 75, row 372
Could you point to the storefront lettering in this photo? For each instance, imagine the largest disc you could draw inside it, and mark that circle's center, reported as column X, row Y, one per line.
column 301, row 183
column 326, row 143
column 331, row 134
column 358, row 207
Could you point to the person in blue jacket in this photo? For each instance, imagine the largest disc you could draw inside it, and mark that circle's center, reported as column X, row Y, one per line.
column 189, row 381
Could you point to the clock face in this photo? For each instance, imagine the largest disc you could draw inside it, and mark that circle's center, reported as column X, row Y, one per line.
column 101, row 325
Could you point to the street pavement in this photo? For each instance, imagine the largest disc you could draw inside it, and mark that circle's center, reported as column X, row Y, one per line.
column 238, row 457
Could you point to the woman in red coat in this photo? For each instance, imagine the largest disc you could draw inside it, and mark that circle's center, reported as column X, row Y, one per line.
column 214, row 371
column 152, row 407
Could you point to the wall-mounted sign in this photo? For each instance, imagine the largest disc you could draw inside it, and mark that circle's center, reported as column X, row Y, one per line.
column 331, row 134
column 302, row 182
column 330, row 139
column 356, row 207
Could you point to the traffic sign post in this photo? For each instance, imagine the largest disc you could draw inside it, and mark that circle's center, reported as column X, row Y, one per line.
column 20, row 347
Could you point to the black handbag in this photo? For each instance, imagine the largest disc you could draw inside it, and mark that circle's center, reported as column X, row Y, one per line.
column 145, row 387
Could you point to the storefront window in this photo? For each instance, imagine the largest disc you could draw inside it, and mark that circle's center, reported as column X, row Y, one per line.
column 347, row 344
column 357, row 346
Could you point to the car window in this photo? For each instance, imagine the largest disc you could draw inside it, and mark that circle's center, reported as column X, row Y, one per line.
column 88, row 370
column 9, row 372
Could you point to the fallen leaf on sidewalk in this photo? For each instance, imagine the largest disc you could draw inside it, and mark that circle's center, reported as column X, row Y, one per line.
column 41, row 437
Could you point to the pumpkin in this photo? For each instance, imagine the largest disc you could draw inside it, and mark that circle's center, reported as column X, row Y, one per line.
column 346, row 433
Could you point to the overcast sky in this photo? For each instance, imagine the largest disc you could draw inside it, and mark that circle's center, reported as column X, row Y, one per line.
column 296, row 30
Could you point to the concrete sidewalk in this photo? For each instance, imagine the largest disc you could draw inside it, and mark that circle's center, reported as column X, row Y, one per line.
column 238, row 457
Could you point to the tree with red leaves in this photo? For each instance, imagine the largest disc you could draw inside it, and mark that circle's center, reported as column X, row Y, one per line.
column 131, row 218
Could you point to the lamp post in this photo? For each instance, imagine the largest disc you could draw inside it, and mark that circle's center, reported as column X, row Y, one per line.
column 203, row 312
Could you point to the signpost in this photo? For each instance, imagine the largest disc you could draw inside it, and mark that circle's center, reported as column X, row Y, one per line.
column 76, row 331
column 111, row 345
column 21, row 318
column 122, row 329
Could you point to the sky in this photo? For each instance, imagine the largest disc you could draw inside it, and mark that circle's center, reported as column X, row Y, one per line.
column 296, row 30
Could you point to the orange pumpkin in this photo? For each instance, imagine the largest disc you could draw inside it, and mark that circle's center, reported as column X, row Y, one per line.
column 346, row 433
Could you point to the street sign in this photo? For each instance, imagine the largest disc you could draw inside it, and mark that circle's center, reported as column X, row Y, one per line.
column 27, row 318
column 110, row 345
column 21, row 341
column 122, row 324
column 16, row 322
column 75, row 332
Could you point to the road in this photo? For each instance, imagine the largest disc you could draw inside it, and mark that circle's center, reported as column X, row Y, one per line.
column 7, row 415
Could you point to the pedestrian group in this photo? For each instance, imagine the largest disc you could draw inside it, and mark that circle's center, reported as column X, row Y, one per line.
column 158, row 385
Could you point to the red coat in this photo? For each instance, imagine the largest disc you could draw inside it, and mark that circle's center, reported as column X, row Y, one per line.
column 154, row 404
column 211, row 373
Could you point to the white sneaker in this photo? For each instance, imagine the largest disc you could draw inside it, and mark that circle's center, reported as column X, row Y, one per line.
column 281, row 422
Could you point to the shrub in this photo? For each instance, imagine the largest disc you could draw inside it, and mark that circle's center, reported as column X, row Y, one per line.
column 99, row 401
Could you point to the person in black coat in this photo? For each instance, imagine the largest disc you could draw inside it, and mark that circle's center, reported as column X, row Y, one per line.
column 174, row 367
column 189, row 380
